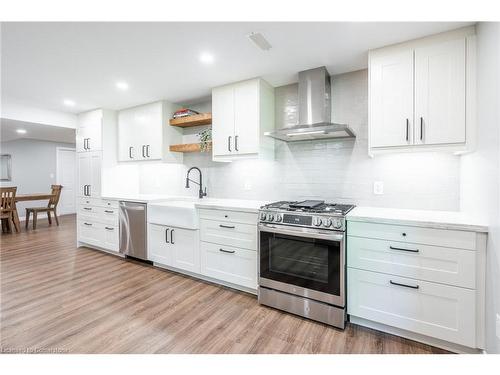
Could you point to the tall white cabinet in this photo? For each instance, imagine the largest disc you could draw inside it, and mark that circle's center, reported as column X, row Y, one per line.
column 421, row 94
column 144, row 133
column 97, row 218
column 241, row 113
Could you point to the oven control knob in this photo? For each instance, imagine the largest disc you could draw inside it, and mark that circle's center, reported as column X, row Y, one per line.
column 263, row 216
column 317, row 221
column 278, row 218
column 327, row 223
column 337, row 223
column 270, row 217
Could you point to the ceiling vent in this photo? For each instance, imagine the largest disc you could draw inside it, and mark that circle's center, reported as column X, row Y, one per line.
column 259, row 40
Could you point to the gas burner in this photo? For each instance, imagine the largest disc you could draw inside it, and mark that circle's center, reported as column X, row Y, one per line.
column 308, row 213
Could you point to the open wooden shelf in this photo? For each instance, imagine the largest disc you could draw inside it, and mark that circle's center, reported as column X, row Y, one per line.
column 193, row 120
column 188, row 147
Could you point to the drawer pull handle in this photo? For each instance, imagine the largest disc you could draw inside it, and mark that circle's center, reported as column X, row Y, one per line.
column 109, row 228
column 109, row 211
column 87, row 208
column 405, row 285
column 227, row 226
column 401, row 249
column 88, row 224
column 227, row 251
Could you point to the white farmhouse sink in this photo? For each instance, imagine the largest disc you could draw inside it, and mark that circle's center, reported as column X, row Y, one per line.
column 175, row 213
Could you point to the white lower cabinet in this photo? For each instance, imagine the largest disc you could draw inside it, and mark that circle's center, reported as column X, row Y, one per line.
column 174, row 247
column 230, row 264
column 98, row 223
column 436, row 310
column 424, row 281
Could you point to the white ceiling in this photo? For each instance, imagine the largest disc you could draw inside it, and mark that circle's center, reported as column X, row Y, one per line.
column 44, row 63
column 34, row 131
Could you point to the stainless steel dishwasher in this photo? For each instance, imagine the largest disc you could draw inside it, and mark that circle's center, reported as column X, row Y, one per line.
column 133, row 239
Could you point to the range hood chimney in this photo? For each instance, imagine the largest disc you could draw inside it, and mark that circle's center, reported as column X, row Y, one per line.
column 314, row 111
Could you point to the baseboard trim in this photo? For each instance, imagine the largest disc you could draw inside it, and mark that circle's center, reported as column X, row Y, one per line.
column 455, row 348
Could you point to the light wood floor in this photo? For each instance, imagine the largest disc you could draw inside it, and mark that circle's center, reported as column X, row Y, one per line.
column 57, row 298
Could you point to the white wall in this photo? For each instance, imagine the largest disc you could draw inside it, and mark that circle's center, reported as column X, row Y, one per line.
column 33, row 167
column 480, row 175
column 333, row 170
column 20, row 112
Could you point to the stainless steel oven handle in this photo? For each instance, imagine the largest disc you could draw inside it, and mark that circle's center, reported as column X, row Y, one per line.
column 303, row 232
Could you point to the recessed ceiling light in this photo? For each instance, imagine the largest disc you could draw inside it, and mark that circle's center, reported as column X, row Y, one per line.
column 21, row 131
column 122, row 85
column 69, row 102
column 207, row 58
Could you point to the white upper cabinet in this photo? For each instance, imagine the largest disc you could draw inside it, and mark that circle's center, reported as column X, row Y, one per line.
column 440, row 93
column 241, row 114
column 391, row 105
column 421, row 94
column 144, row 133
column 89, row 131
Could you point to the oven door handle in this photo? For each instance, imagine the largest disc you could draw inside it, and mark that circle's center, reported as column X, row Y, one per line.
column 302, row 233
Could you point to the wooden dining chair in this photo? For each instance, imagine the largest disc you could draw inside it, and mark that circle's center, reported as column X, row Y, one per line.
column 7, row 208
column 51, row 208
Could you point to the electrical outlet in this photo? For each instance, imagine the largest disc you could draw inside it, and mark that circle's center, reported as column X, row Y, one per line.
column 247, row 185
column 378, row 187
column 498, row 326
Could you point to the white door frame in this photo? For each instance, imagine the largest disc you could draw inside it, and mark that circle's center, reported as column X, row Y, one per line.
column 58, row 172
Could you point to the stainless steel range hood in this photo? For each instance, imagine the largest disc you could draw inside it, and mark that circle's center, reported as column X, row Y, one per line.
column 314, row 111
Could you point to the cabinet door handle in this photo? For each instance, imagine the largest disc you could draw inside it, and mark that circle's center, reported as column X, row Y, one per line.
column 109, row 228
column 404, row 285
column 227, row 251
column 421, row 128
column 147, row 151
column 88, row 143
column 84, row 143
column 88, row 224
column 130, row 152
column 109, row 211
column 227, row 226
column 236, row 143
column 229, row 143
column 407, row 130
column 87, row 208
column 166, row 235
column 89, row 189
column 172, row 236
column 143, row 154
column 401, row 249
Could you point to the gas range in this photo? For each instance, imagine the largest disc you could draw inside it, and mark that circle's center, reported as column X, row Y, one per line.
column 306, row 214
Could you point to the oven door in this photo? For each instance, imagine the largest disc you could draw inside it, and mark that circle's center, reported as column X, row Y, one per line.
column 302, row 261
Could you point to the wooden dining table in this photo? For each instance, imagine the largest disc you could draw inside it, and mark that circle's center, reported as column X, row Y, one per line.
column 25, row 198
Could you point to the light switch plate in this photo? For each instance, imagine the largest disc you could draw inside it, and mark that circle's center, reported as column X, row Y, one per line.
column 247, row 185
column 378, row 187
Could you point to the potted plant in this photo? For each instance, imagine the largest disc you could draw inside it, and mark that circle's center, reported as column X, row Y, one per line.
column 205, row 140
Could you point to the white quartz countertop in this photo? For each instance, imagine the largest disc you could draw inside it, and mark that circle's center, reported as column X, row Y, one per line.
column 245, row 205
column 437, row 219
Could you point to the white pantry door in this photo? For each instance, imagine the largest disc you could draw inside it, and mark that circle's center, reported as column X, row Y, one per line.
column 66, row 176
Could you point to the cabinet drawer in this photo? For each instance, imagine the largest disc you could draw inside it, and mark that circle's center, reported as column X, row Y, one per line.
column 436, row 310
column 229, row 233
column 98, row 202
column 100, row 214
column 231, row 216
column 431, row 263
column 418, row 235
column 98, row 234
column 230, row 264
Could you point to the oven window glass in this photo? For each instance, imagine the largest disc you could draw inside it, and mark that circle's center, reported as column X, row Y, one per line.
column 306, row 262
